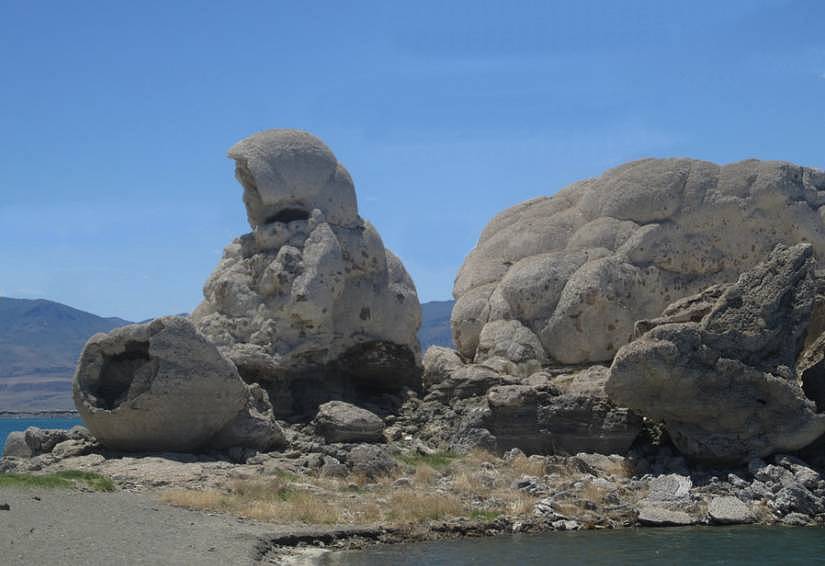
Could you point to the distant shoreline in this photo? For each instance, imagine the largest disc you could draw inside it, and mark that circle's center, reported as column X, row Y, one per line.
column 37, row 414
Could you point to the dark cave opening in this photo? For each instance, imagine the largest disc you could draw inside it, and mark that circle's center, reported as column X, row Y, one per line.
column 370, row 375
column 119, row 372
column 288, row 215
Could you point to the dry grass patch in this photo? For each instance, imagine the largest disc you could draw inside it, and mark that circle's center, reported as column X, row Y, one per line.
column 568, row 509
column 510, row 502
column 414, row 507
column 192, row 499
column 528, row 466
column 478, row 456
column 359, row 480
column 362, row 512
column 425, row 475
column 469, row 482
column 520, row 504
column 594, row 493
column 480, row 489
column 272, row 500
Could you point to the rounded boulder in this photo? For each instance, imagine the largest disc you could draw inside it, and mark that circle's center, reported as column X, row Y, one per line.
column 157, row 386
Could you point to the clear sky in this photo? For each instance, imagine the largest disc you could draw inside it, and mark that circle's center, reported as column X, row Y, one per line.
column 116, row 195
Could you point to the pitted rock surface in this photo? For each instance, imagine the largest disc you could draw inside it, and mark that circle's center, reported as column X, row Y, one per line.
column 162, row 386
column 579, row 268
column 310, row 304
column 729, row 510
column 553, row 411
column 337, row 421
column 718, row 368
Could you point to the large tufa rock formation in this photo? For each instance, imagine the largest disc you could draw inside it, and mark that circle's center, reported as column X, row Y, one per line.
column 309, row 304
column 572, row 273
column 161, row 386
column 718, row 367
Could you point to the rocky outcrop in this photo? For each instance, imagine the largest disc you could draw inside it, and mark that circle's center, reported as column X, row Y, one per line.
column 551, row 411
column 718, row 368
column 371, row 460
column 253, row 427
column 310, row 304
column 36, row 441
column 468, row 381
column 162, row 386
column 337, row 421
column 439, row 364
column 508, row 345
column 16, row 446
column 569, row 275
column 565, row 415
column 662, row 517
column 729, row 510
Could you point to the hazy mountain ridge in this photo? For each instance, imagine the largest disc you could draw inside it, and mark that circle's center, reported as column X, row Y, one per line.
column 40, row 341
column 435, row 324
column 45, row 337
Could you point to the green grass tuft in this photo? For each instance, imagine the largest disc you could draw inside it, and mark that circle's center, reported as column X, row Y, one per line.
column 66, row 479
column 29, row 480
column 482, row 515
column 438, row 461
column 93, row 480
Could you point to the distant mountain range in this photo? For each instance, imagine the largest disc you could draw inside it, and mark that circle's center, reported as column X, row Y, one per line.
column 435, row 324
column 39, row 344
column 41, row 340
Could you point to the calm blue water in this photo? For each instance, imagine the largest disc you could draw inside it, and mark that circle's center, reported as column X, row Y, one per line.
column 671, row 547
column 8, row 425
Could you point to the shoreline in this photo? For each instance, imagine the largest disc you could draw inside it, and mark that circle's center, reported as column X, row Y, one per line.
column 354, row 537
column 302, row 543
column 178, row 535
column 314, row 496
column 294, row 506
column 311, row 538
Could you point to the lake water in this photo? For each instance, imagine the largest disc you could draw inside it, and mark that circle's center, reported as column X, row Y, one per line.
column 672, row 547
column 10, row 424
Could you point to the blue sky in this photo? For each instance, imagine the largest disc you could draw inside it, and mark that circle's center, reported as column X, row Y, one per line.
column 116, row 196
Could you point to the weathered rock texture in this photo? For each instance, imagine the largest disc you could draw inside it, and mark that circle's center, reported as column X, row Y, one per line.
column 718, row 367
column 309, row 304
column 35, row 441
column 552, row 411
column 161, row 386
column 810, row 365
column 572, row 273
column 337, row 421
column 253, row 427
column 729, row 510
column 563, row 414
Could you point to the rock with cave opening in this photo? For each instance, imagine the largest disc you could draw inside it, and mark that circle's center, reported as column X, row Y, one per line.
column 162, row 386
